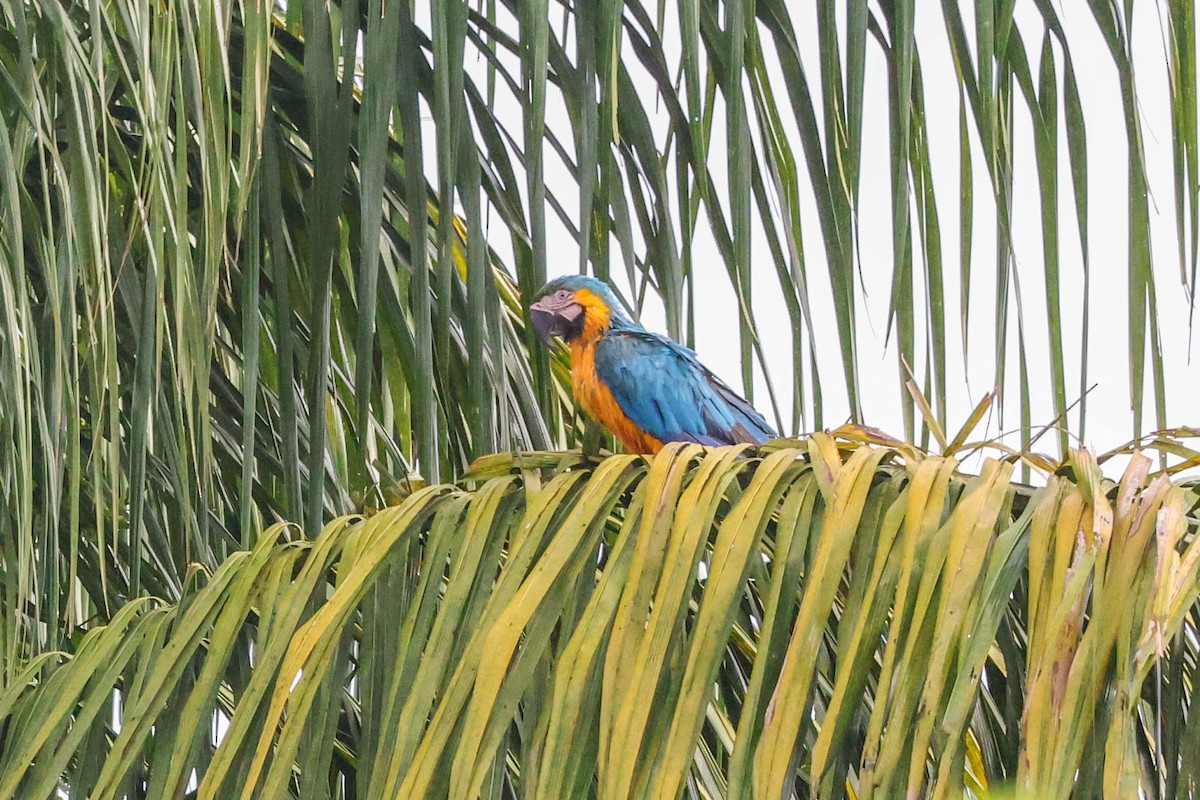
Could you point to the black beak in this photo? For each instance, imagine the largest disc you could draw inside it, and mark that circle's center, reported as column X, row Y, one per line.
column 551, row 318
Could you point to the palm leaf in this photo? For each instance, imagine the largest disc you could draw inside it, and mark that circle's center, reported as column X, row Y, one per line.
column 562, row 630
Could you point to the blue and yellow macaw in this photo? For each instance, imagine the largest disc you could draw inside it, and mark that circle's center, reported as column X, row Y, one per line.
column 645, row 388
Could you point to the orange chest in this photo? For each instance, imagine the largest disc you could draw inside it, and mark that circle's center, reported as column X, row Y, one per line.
column 597, row 400
column 585, row 383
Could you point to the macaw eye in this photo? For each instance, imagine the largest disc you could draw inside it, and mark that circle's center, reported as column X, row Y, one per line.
column 563, row 294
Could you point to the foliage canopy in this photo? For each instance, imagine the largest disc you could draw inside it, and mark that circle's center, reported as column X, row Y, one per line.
column 243, row 282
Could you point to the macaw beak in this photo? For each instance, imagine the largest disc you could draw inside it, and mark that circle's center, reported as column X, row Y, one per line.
column 552, row 317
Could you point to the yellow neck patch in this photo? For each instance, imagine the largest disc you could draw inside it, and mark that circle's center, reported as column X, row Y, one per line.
column 596, row 314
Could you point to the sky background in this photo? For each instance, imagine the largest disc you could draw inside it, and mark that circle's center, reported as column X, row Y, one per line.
column 1110, row 419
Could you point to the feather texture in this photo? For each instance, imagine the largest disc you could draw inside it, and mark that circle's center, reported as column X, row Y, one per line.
column 664, row 389
column 597, row 399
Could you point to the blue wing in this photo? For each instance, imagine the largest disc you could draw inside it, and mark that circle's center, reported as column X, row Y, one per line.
column 668, row 393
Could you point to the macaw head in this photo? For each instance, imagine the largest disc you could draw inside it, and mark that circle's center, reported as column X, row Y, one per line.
column 575, row 306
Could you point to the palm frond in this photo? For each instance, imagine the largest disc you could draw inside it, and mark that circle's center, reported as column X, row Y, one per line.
column 807, row 622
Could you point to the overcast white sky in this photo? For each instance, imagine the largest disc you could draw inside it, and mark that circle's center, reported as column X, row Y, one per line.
column 1110, row 420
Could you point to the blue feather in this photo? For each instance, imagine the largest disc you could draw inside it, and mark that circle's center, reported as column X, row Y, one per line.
column 664, row 389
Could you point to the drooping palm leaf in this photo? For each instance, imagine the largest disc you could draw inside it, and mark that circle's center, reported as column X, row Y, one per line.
column 822, row 620
column 197, row 339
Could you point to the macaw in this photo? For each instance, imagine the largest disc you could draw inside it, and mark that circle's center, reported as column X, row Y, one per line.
column 645, row 388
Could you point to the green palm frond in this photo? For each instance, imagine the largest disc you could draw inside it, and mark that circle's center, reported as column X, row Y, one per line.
column 214, row 305
column 265, row 262
column 815, row 621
